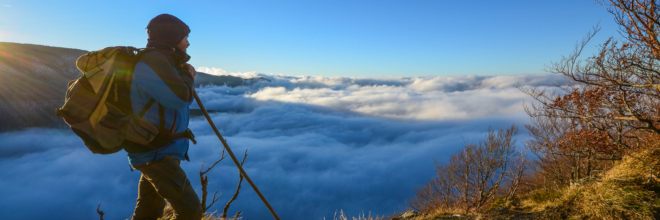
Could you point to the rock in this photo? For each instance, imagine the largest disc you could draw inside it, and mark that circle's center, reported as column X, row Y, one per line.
column 407, row 215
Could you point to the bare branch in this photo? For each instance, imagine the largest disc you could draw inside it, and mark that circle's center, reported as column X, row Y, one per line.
column 472, row 176
column 237, row 214
column 238, row 187
column 205, row 181
column 211, row 167
column 213, row 201
column 101, row 213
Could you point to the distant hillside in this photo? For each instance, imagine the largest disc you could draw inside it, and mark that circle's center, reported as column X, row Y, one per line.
column 36, row 73
column 231, row 81
column 34, row 80
column 33, row 84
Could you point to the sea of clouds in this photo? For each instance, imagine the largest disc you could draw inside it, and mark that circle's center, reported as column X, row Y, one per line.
column 317, row 145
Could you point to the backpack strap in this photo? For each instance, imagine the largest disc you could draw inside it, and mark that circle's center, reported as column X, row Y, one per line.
column 159, row 141
column 146, row 107
column 140, row 52
column 162, row 139
column 186, row 134
column 161, row 115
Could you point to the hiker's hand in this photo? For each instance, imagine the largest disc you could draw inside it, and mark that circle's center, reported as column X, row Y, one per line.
column 190, row 69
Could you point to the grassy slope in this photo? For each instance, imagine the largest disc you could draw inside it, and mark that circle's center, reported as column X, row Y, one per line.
column 627, row 191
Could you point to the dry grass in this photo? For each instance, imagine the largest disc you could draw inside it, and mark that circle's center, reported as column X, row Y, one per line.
column 627, row 191
column 168, row 213
column 452, row 211
column 343, row 216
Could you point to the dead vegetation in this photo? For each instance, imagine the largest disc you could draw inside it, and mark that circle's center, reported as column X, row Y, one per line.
column 473, row 176
column 101, row 213
column 626, row 191
column 363, row 216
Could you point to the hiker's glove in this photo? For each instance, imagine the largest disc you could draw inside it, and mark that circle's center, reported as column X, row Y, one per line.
column 187, row 77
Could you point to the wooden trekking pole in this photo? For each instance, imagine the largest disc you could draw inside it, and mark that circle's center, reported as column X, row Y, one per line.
column 208, row 118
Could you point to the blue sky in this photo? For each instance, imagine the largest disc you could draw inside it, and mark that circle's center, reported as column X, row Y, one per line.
column 328, row 38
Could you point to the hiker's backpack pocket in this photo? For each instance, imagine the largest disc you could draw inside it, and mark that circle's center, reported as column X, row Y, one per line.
column 111, row 129
column 75, row 111
column 140, row 131
column 114, row 119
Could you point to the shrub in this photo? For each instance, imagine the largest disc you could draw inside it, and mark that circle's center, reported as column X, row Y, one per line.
column 543, row 195
column 498, row 202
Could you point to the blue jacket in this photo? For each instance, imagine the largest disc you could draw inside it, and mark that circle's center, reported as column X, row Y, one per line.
column 156, row 76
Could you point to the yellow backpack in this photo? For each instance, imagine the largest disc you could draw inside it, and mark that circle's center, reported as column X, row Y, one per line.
column 98, row 104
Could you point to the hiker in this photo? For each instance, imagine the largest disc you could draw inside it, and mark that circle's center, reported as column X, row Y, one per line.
column 162, row 87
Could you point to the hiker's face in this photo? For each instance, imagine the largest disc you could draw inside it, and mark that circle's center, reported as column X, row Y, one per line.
column 183, row 44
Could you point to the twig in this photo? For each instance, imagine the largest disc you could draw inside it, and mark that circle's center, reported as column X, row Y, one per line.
column 205, row 181
column 213, row 201
column 101, row 213
column 237, row 214
column 211, row 167
column 240, row 180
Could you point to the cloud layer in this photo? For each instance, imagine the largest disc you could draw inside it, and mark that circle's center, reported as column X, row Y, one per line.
column 421, row 98
column 316, row 145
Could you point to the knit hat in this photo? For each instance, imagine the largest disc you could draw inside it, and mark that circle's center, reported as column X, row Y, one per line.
column 167, row 29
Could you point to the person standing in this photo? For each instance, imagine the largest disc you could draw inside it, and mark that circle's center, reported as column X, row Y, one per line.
column 161, row 89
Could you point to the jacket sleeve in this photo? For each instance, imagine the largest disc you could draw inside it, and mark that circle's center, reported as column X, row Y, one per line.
column 156, row 77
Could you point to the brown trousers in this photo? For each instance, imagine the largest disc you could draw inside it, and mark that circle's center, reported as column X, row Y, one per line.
column 162, row 181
